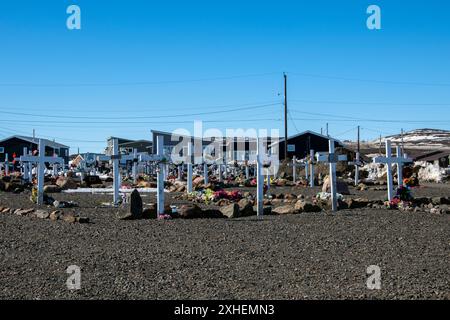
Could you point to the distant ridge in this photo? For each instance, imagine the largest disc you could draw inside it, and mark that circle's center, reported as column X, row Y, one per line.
column 422, row 138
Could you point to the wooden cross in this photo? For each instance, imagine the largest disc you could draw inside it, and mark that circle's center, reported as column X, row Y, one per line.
column 41, row 159
column 389, row 160
column 332, row 159
column 357, row 163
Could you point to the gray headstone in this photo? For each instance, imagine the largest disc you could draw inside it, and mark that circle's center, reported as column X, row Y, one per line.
column 136, row 206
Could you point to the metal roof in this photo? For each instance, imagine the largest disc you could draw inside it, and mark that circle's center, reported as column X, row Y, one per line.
column 35, row 141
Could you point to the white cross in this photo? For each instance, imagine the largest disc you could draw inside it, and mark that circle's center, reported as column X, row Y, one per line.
column 135, row 161
column 159, row 158
column 389, row 160
column 311, row 166
column 263, row 161
column 401, row 160
column 188, row 161
column 41, row 159
column 357, row 163
column 332, row 159
column 301, row 163
column 6, row 165
column 114, row 158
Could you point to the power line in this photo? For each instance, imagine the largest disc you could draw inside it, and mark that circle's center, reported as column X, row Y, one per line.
column 136, row 83
column 310, row 75
column 138, row 117
column 369, row 103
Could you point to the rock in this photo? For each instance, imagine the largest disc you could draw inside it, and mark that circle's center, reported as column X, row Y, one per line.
column 440, row 200
column 92, row 180
column 287, row 209
column 245, row 207
column 197, row 181
column 435, row 211
column 231, row 210
column 42, row 214
column 189, row 211
column 54, row 215
column 82, row 219
column 52, row 189
column 357, row 203
column 23, row 212
column 6, row 210
column 66, row 183
column 341, row 186
column 290, row 196
column 304, row 206
column 12, row 186
column 267, row 210
column 362, row 187
column 70, row 218
column 150, row 212
column 212, row 213
column 136, row 207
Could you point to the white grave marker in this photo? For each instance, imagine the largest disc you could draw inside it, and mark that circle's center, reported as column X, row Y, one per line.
column 388, row 161
column 41, row 159
column 401, row 160
column 332, row 159
column 357, row 163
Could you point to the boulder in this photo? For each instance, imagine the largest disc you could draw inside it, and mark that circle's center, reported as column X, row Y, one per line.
column 287, row 209
column 136, row 206
column 69, row 217
column 52, row 189
column 23, row 212
column 245, row 207
column 357, row 203
column 304, row 206
column 82, row 219
column 92, row 180
column 231, row 210
column 66, row 183
column 197, row 181
column 54, row 215
column 341, row 186
column 150, row 212
column 190, row 211
column 42, row 214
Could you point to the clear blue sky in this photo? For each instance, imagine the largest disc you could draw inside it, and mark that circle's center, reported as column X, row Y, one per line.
column 136, row 62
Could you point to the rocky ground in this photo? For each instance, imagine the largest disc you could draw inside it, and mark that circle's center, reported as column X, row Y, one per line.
column 301, row 256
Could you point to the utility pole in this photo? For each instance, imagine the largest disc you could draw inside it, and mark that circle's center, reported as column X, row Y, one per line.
column 285, row 117
column 327, row 130
column 359, row 146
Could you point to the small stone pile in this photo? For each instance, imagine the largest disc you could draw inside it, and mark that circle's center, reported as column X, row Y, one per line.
column 44, row 214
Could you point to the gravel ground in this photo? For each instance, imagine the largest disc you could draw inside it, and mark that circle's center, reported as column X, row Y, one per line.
column 305, row 256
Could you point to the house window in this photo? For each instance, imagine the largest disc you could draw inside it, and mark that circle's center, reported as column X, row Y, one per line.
column 2, row 149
